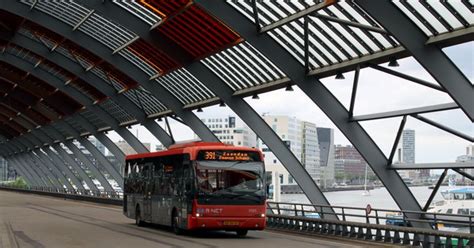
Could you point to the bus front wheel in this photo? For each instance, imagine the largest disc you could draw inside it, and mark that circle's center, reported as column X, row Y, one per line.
column 242, row 233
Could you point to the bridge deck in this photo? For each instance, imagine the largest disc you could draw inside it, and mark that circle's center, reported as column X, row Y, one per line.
column 36, row 221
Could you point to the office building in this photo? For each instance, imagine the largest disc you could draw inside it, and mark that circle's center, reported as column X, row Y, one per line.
column 301, row 137
column 326, row 155
column 350, row 166
column 228, row 132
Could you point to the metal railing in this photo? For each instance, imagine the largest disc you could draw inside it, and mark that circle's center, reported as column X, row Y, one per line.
column 86, row 192
column 385, row 225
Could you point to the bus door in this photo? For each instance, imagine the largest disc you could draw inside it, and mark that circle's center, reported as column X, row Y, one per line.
column 147, row 192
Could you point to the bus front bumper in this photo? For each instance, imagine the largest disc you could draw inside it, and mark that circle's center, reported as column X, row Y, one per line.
column 226, row 223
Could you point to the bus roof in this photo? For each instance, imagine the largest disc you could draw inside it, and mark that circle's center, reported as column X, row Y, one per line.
column 192, row 148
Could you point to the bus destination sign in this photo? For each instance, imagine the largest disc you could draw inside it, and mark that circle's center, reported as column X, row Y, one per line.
column 228, row 155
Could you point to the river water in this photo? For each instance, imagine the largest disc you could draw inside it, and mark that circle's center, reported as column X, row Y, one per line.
column 379, row 198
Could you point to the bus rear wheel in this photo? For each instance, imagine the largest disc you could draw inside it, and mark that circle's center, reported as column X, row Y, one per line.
column 242, row 233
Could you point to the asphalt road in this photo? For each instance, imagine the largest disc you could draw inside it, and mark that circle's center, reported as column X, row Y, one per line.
column 28, row 220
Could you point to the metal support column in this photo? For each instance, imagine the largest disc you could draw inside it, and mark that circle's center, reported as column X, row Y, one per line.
column 319, row 94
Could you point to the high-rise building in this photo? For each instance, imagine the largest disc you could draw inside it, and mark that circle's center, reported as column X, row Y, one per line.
column 310, row 157
column 407, row 146
column 301, row 138
column 227, row 131
column 326, row 155
column 406, row 155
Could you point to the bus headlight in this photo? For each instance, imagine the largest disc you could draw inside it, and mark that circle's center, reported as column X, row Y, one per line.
column 197, row 215
column 262, row 215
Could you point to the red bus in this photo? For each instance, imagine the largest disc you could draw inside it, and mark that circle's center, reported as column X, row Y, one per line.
column 197, row 185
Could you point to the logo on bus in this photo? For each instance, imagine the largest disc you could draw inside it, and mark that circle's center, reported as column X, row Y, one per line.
column 212, row 211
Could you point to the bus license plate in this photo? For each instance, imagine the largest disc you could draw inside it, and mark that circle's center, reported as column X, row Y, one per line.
column 231, row 223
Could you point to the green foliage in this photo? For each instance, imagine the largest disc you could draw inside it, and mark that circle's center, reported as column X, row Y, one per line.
column 19, row 183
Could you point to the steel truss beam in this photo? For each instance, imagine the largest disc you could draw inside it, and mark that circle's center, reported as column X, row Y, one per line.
column 403, row 112
column 124, row 132
column 111, row 146
column 350, row 23
column 96, row 153
column 323, row 98
column 431, row 57
column 117, row 61
column 397, row 140
column 42, row 169
column 442, row 40
column 295, row 16
column 408, row 77
column 97, row 83
column 73, row 163
column 435, row 190
column 354, row 91
column 42, row 136
column 444, row 128
column 55, row 82
column 55, row 157
column 464, row 174
column 241, row 108
column 55, row 168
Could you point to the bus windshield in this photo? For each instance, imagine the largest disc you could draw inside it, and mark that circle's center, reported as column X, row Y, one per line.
column 234, row 178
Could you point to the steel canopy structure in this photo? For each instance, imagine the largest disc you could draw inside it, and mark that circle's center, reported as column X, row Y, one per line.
column 74, row 69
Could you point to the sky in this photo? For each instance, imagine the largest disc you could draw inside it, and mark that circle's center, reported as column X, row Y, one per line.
column 377, row 92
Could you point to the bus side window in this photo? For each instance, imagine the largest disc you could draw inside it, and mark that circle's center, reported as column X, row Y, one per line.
column 187, row 175
column 166, row 179
column 158, row 176
column 178, row 175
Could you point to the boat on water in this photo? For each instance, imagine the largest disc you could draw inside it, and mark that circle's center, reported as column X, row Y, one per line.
column 456, row 201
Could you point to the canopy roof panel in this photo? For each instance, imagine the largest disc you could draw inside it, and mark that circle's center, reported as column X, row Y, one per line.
column 325, row 36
